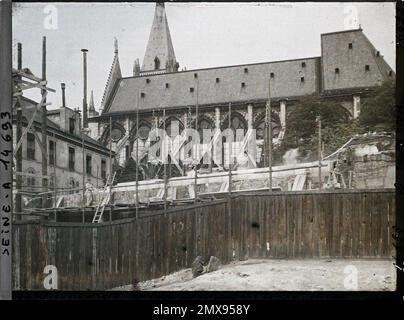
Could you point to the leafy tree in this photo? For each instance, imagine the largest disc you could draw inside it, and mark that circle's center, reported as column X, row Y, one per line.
column 378, row 112
column 302, row 122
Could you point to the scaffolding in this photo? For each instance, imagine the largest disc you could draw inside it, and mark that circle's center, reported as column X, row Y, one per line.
column 23, row 80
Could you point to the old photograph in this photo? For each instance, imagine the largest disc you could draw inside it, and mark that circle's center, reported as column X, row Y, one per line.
column 204, row 146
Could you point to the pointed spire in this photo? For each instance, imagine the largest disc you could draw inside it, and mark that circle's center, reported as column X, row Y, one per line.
column 91, row 109
column 160, row 50
column 91, row 106
column 136, row 68
column 114, row 75
column 116, row 45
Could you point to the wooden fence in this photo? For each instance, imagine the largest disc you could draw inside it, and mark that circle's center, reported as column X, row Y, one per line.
column 354, row 224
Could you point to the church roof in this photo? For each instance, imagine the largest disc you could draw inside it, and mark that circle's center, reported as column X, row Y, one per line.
column 160, row 45
column 247, row 82
column 114, row 75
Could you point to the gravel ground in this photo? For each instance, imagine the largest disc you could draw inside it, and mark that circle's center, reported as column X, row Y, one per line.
column 282, row 275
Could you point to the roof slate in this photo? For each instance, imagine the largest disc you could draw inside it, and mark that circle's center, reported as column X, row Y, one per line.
column 229, row 87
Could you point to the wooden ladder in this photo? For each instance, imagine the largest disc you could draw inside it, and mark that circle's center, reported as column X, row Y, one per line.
column 104, row 199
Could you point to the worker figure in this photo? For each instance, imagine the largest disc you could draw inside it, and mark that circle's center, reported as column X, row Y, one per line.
column 89, row 193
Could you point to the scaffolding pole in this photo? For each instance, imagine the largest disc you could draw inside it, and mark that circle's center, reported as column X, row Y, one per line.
column 18, row 203
column 164, row 162
column 197, row 146
column 319, row 154
column 137, row 158
column 269, row 123
column 230, row 151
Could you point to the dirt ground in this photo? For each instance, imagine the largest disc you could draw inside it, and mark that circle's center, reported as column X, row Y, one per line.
column 283, row 275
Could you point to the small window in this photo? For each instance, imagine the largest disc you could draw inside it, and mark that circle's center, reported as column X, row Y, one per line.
column 142, row 94
column 167, row 85
column 245, row 70
column 303, row 64
column 156, row 63
column 272, row 75
column 147, row 80
column 88, row 164
column 191, row 89
column 350, row 45
column 390, row 73
column 30, row 146
column 195, row 75
column 72, row 125
column 52, row 152
column 243, row 84
column 71, row 158
column 103, row 169
column 367, row 67
column 301, row 79
column 336, row 70
column 217, row 80
column 377, row 53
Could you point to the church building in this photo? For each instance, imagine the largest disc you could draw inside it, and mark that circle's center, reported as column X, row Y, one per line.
column 348, row 70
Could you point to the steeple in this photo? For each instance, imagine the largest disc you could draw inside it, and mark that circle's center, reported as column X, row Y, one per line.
column 136, row 68
column 114, row 75
column 160, row 51
column 91, row 109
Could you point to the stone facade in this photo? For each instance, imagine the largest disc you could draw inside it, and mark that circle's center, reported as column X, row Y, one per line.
column 61, row 177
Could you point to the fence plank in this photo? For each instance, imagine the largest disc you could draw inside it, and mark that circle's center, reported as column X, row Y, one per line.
column 295, row 225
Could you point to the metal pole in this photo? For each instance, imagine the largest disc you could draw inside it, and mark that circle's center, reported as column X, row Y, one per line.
column 269, row 137
column 164, row 163
column 198, row 146
column 54, row 171
column 110, row 166
column 85, row 124
column 229, row 205
column 319, row 154
column 230, row 150
column 18, row 203
column 43, row 129
column 63, row 86
column 137, row 161
column 83, row 174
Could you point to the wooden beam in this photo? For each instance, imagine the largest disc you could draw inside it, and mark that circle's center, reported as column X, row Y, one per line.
column 31, row 121
column 43, row 150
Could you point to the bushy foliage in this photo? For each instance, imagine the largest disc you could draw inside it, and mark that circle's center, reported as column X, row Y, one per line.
column 377, row 114
column 379, row 111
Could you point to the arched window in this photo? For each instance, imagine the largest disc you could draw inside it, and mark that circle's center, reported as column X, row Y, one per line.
column 156, row 63
column 259, row 126
column 116, row 134
column 260, row 130
column 237, row 122
column 144, row 131
column 204, row 124
column 170, row 126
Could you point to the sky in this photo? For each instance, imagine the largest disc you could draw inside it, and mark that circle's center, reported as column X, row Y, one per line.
column 203, row 34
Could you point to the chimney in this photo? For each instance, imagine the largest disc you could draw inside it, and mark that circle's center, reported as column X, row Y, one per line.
column 85, row 124
column 63, row 85
column 19, row 56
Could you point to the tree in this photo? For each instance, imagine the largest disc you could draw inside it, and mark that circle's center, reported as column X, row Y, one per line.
column 379, row 111
column 302, row 122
